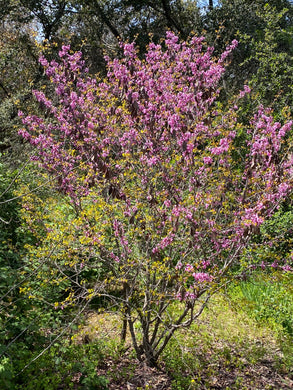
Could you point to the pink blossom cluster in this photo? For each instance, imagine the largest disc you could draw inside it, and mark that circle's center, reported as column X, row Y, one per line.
column 149, row 138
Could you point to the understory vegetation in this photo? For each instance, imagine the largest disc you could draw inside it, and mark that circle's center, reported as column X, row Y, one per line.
column 242, row 341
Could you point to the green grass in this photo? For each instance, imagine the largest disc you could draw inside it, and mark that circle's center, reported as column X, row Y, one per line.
column 219, row 350
column 267, row 298
column 242, row 336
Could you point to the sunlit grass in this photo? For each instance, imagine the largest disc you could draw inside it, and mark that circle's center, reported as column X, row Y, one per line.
column 226, row 348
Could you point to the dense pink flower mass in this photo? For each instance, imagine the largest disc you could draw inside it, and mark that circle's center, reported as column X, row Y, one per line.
column 152, row 139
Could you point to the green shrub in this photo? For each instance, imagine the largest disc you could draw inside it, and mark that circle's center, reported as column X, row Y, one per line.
column 66, row 366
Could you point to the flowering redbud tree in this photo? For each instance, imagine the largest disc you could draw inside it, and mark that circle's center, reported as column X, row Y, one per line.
column 166, row 198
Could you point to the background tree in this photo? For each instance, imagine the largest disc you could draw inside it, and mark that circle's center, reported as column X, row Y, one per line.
column 19, row 70
column 263, row 30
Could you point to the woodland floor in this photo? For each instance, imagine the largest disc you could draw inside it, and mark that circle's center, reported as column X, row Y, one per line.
column 223, row 351
column 260, row 376
column 257, row 377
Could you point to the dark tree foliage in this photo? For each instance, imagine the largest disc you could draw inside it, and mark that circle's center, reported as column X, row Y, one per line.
column 264, row 30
